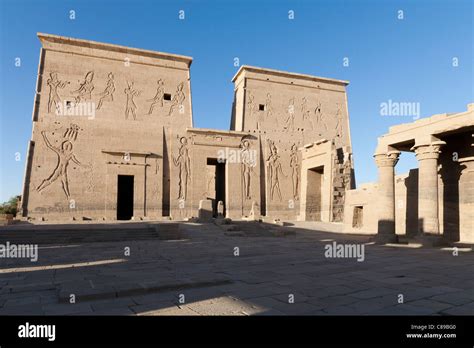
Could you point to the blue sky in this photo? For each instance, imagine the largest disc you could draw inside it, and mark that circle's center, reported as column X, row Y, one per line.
column 405, row 60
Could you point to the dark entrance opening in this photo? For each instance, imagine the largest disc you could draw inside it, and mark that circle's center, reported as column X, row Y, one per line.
column 125, row 197
column 219, row 186
column 313, row 194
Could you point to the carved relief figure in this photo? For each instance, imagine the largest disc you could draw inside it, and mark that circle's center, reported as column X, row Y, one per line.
column 158, row 98
column 290, row 121
column 178, row 98
column 294, row 170
column 247, row 164
column 131, row 107
column 183, row 162
column 320, row 119
column 85, row 88
column 274, row 170
column 108, row 93
column 211, row 183
column 65, row 154
column 54, row 83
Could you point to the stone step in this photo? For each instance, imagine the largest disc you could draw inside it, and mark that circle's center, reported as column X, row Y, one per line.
column 90, row 234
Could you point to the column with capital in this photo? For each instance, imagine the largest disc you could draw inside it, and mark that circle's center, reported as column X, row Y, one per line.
column 427, row 156
column 466, row 198
column 386, row 201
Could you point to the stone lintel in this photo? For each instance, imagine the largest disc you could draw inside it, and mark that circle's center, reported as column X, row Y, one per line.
column 131, row 152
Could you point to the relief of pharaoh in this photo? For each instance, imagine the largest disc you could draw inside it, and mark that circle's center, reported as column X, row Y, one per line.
column 294, row 165
column 85, row 88
column 54, row 83
column 65, row 155
column 158, row 98
column 339, row 121
column 247, row 163
column 275, row 171
column 178, row 99
column 108, row 93
column 183, row 162
column 131, row 107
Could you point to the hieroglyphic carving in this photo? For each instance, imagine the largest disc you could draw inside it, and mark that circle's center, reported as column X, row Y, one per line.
column 54, row 83
column 178, row 98
column 183, row 162
column 268, row 106
column 159, row 96
column 130, row 106
column 65, row 154
column 85, row 88
column 247, row 163
column 251, row 104
column 274, row 170
column 108, row 93
column 304, row 109
column 306, row 120
column 71, row 132
column 339, row 121
column 90, row 180
column 290, row 121
column 294, row 165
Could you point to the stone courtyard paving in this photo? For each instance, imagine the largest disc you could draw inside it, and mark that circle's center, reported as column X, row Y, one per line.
column 200, row 275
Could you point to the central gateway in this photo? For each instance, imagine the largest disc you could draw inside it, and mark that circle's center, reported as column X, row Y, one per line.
column 313, row 194
column 124, row 197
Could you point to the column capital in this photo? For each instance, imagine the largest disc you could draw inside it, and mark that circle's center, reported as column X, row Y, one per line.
column 428, row 151
column 388, row 159
column 467, row 163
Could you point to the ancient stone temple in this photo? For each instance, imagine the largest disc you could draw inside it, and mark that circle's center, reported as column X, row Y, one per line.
column 113, row 138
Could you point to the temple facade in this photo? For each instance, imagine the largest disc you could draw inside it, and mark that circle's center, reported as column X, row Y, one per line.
column 113, row 139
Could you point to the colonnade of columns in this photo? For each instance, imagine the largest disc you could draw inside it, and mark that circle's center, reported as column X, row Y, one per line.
column 427, row 155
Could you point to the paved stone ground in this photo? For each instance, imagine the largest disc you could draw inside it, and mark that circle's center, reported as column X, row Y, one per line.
column 202, row 271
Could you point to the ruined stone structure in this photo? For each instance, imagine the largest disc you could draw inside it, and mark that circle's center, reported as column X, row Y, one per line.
column 113, row 138
column 437, row 199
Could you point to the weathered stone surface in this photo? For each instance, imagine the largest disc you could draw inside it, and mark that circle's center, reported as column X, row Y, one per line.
column 123, row 116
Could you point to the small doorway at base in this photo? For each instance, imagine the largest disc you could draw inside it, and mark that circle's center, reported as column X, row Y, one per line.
column 313, row 194
column 124, row 197
column 216, row 183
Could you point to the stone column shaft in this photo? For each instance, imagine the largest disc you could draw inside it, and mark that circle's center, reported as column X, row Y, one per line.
column 427, row 156
column 466, row 200
column 386, row 199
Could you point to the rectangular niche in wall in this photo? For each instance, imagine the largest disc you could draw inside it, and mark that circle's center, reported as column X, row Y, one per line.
column 357, row 217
